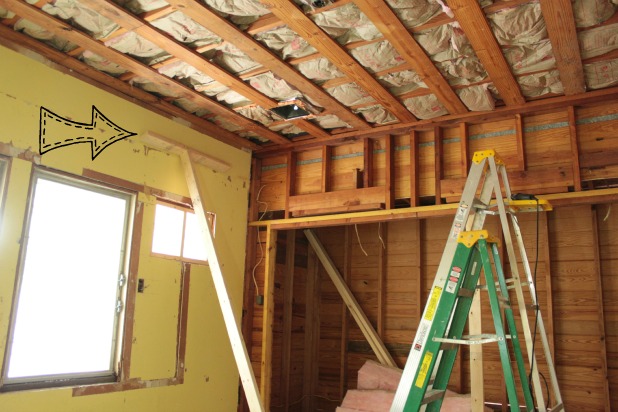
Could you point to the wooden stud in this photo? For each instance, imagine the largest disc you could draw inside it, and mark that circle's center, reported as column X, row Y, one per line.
column 577, row 179
column 183, row 316
column 312, row 331
column 290, row 181
column 549, row 314
column 359, row 316
column 268, row 320
column 389, row 178
column 604, row 384
column 382, row 272
column 476, row 356
column 368, row 162
column 288, row 309
column 326, row 168
column 520, row 142
column 438, row 154
column 465, row 149
column 414, row 169
column 345, row 314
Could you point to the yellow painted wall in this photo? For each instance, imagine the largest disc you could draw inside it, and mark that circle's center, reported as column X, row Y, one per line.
column 211, row 378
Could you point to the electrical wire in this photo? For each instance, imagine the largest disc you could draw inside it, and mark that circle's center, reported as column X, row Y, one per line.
column 257, row 200
column 359, row 241
column 380, row 235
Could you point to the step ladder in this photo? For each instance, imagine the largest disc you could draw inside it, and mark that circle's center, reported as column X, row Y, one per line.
column 451, row 294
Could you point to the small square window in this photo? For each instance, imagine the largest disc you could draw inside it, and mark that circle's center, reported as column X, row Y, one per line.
column 177, row 234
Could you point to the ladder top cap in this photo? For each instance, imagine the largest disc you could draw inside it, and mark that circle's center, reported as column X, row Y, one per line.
column 479, row 156
column 470, row 238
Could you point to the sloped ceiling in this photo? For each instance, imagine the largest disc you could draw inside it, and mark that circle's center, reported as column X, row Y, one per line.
column 359, row 67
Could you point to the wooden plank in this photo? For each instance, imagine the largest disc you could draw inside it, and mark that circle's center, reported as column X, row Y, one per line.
column 382, row 274
column 261, row 54
column 368, row 162
column 606, row 157
column 402, row 40
column 474, row 23
column 268, row 317
column 288, row 310
column 521, row 146
column 389, row 172
column 290, row 14
column 327, row 160
column 549, row 291
column 290, row 181
column 414, row 169
column 466, row 159
column 239, row 349
column 577, row 179
column 168, row 145
column 342, row 199
column 438, row 154
column 357, row 313
column 312, row 332
column 560, row 22
column 600, row 309
column 345, row 314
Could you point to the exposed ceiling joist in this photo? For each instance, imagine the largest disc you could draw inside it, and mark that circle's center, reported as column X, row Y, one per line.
column 63, row 30
column 474, row 23
column 396, row 33
column 252, row 48
column 558, row 15
column 290, row 14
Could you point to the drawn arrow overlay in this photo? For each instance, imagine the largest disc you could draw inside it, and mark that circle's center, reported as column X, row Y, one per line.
column 56, row 131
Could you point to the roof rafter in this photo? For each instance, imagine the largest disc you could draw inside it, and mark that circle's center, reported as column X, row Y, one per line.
column 66, row 31
column 142, row 27
column 474, row 23
column 396, row 33
column 291, row 15
column 260, row 54
column 19, row 41
column 558, row 15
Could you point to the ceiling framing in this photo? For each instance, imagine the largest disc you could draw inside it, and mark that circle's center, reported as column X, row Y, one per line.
column 366, row 67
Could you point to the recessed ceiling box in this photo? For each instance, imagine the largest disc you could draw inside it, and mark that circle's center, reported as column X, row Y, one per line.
column 295, row 109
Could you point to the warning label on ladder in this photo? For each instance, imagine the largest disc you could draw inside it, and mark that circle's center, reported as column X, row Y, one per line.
column 453, row 279
column 422, row 373
column 433, row 303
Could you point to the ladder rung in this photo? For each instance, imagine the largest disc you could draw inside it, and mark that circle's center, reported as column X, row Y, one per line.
column 433, row 395
column 471, row 340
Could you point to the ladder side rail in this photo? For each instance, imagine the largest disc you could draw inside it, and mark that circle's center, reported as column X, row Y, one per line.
column 494, row 304
column 461, row 217
column 541, row 324
column 508, row 314
column 456, row 327
column 508, row 241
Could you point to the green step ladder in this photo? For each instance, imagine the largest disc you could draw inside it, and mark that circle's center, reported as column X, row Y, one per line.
column 446, row 317
column 486, row 192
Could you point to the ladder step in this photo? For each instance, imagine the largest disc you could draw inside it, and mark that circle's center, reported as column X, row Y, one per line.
column 467, row 293
column 469, row 340
column 433, row 395
column 558, row 407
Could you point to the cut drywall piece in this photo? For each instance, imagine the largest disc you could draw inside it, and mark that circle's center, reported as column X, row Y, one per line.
column 168, row 145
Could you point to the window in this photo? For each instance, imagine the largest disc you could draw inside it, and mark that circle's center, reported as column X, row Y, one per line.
column 177, row 233
column 71, row 285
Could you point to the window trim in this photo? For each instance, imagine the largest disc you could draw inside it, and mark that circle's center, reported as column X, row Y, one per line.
column 5, row 170
column 210, row 216
column 120, row 321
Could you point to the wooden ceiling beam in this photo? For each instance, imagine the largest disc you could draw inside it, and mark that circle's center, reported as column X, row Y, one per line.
column 27, row 45
column 474, row 23
column 290, row 14
column 66, row 31
column 262, row 55
column 396, row 33
column 123, row 18
column 560, row 22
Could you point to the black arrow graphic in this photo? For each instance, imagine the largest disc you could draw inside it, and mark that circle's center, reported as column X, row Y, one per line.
column 56, row 131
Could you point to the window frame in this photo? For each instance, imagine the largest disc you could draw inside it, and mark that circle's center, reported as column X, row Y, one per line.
column 186, row 208
column 5, row 168
column 117, row 353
